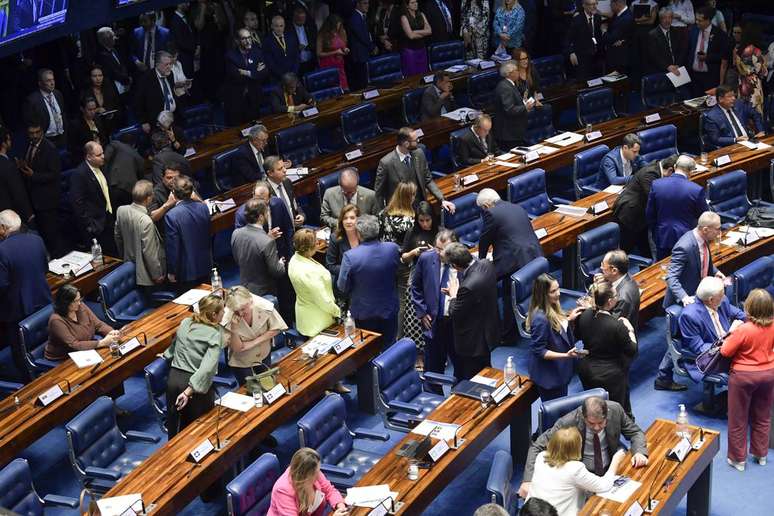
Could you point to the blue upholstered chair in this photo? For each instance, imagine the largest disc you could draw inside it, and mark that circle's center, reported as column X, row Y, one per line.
column 135, row 130
column 156, row 374
column 411, row 105
column 596, row 106
column 323, row 83
column 466, row 219
column 360, row 123
column 540, row 124
column 481, row 88
column 324, row 428
column 585, row 170
column 399, row 391
column 595, row 243
column 445, row 54
column 199, row 122
column 327, row 181
column 384, row 70
column 122, row 301
column 454, row 142
column 298, row 143
column 658, row 142
column 529, row 191
column 551, row 411
column 97, row 448
column 657, row 91
column 757, row 274
column 498, row 485
column 221, row 170
column 33, row 336
column 18, row 493
column 551, row 70
column 249, row 493
column 727, row 195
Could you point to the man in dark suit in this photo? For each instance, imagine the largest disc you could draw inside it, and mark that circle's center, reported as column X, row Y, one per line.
column 703, row 55
column 475, row 145
column 473, row 310
column 23, row 286
column 431, row 274
column 183, row 35
column 13, row 196
column 124, row 167
column 730, row 121
column 280, row 50
column 619, row 38
column 291, row 98
column 147, row 40
column 674, row 205
column 615, row 270
column 47, row 105
column 347, row 192
column 247, row 165
column 90, row 194
column 112, row 62
column 663, row 46
column 440, row 19
column 306, row 35
column 277, row 223
column 407, row 163
column 187, row 240
column 583, row 41
column 510, row 111
column 280, row 186
column 155, row 92
column 618, row 165
column 246, row 73
column 629, row 207
column 437, row 99
column 164, row 156
column 361, row 46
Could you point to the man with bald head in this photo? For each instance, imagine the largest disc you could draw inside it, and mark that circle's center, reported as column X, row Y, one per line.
column 348, row 192
column 281, row 50
column 246, row 73
column 93, row 207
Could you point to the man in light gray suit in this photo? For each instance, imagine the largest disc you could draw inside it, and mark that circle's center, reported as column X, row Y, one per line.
column 137, row 238
column 348, row 192
column 407, row 163
column 260, row 268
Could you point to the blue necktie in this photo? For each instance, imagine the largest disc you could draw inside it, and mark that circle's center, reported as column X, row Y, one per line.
column 407, row 161
column 444, row 284
column 167, row 95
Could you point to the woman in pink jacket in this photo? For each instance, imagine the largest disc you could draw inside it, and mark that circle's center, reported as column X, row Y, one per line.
column 302, row 489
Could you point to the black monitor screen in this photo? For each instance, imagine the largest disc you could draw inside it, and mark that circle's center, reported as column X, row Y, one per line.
column 122, row 3
column 19, row 18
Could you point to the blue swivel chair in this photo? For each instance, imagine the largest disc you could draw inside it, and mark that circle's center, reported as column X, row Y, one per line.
column 481, row 88
column 33, row 336
column 298, row 143
column 454, row 142
column 325, row 182
column 551, row 70
column 466, row 219
column 727, row 195
column 585, row 170
column 250, row 491
column 657, row 91
column 400, row 396
column 551, row 411
column 18, row 493
column 384, row 70
column 360, row 123
column 658, row 142
column 445, row 54
column 529, row 191
column 222, row 172
column 595, row 243
column 323, row 83
column 411, row 105
column 596, row 106
column 122, row 301
column 324, row 428
column 757, row 274
column 199, row 122
column 498, row 485
column 540, row 124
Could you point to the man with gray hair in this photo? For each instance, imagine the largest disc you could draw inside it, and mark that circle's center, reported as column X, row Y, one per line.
column 618, row 165
column 246, row 73
column 674, row 205
column 111, row 61
column 510, row 109
column 155, row 92
column 247, row 163
column 348, row 192
column 367, row 276
column 663, row 46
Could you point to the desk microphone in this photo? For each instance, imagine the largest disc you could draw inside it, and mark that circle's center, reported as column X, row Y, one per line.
column 391, row 509
column 69, row 389
column 478, row 412
column 130, row 507
column 218, row 445
column 95, row 367
column 651, row 502
column 289, row 387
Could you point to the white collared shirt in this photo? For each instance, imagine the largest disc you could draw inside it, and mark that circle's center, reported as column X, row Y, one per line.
column 56, row 121
column 258, row 154
column 627, row 165
column 402, row 156
column 618, row 282
column 452, row 274
column 697, row 65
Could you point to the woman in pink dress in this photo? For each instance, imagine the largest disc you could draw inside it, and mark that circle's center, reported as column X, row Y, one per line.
column 332, row 47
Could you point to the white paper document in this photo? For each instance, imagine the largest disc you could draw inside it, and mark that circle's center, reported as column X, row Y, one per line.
column 572, row 211
column 614, row 77
column 456, row 68
column 120, row 505
column 461, row 113
column 613, row 189
column 761, row 232
column 483, row 380
column 506, row 156
column 236, row 401
column 85, row 358
column 507, row 164
column 623, row 488
column 763, row 146
column 435, row 429
column 320, row 344
column 564, row 139
column 750, row 145
column 545, row 150
column 76, row 262
column 190, row 151
column 191, row 297
column 679, row 80
column 700, row 168
column 369, row 496
column 223, row 205
column 323, row 234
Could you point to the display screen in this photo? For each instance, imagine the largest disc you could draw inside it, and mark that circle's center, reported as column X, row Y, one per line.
column 19, row 18
column 122, row 3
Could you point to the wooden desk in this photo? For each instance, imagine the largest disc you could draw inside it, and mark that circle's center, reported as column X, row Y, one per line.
column 21, row 426
column 692, row 477
column 86, row 283
column 168, row 483
column 416, row 495
column 741, row 158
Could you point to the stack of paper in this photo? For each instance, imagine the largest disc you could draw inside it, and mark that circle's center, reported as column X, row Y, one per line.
column 506, row 156
column 507, row 164
column 369, row 496
column 224, row 205
column 572, row 211
column 463, row 113
column 679, row 80
column 762, row 232
column 614, row 77
column 76, row 262
column 435, row 429
column 192, row 297
column 564, row 139
column 483, row 380
column 696, row 102
column 294, row 174
column 613, row 189
column 85, row 358
column 320, row 345
column 236, row 401
column 323, row 234
column 622, row 489
column 456, row 68
column 120, row 505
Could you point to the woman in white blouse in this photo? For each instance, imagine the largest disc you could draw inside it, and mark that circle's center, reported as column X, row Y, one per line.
column 561, row 478
column 682, row 13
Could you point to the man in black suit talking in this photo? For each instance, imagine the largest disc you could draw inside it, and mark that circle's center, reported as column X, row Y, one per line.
column 584, row 40
column 510, row 111
column 663, row 50
column 91, row 199
column 475, row 145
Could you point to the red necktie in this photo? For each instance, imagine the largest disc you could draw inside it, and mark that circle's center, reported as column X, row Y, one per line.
column 599, row 468
column 705, row 261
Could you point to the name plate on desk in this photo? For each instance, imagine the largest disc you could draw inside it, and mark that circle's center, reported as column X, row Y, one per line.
column 531, row 156
column 190, row 151
column 680, row 450
column 310, row 112
column 655, row 117
column 427, row 79
column 129, row 345
column 272, row 395
column 343, row 345
column 54, row 393
column 500, row 393
column 353, row 154
column 469, row 179
column 725, row 159
column 540, row 233
column 419, row 132
column 594, row 82
column 599, row 207
column 438, row 451
column 370, row 94
column 202, row 450
column 635, row 509
column 594, row 135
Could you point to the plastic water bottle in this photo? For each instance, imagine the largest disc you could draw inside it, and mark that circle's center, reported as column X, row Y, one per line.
column 349, row 326
column 216, row 282
column 682, row 422
column 509, row 373
column 96, row 254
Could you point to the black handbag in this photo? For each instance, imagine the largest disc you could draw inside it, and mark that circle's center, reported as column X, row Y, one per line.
column 711, row 361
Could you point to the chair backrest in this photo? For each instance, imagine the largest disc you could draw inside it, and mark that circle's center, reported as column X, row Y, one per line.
column 156, row 374
column 593, row 245
column 33, row 336
column 540, row 124
column 411, row 104
column 529, row 191
column 657, row 91
column 360, row 123
column 498, row 485
column 481, row 88
column 327, row 181
column 298, row 143
column 323, row 83
column 93, row 436
column 466, row 219
column 674, row 345
column 396, row 376
column 758, row 274
column 454, row 142
column 17, row 493
column 585, row 168
column 222, row 171
column 551, row 70
column 521, row 290
column 658, row 142
column 703, row 147
column 324, row 428
column 384, row 69
column 551, row 411
column 250, row 491
column 728, row 193
column 445, row 54
column 595, row 106
column 200, row 114
column 135, row 130
column 119, row 293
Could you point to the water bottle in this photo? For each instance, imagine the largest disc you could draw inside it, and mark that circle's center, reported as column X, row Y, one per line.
column 509, row 373
column 349, row 326
column 216, row 282
column 682, row 423
column 96, row 254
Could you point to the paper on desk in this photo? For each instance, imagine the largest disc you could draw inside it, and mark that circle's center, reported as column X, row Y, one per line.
column 614, row 77
column 320, row 344
column 613, row 189
column 622, row 493
column 679, row 80
column 236, row 401
column 76, row 261
column 761, row 232
column 483, row 380
column 564, row 139
column 85, row 358
column 460, row 114
column 435, row 429
column 298, row 171
column 763, row 146
column 750, row 145
column 191, row 297
column 369, row 496
column 120, row 505
column 507, row 164
column 456, row 68
column 700, row 168
column 323, row 234
column 546, row 150
column 506, row 156
column 223, row 205
column 572, row 211
column 190, row 151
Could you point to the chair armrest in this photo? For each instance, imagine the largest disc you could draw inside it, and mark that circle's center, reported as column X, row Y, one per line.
column 53, row 500
column 532, row 216
column 437, row 175
column 401, row 406
column 330, row 469
column 640, row 260
column 135, row 435
column 438, row 378
column 559, row 200
column 728, row 217
column 10, row 386
column 44, row 363
column 571, row 293
column 470, row 244
column 163, row 296
column 125, row 319
column 102, row 473
column 588, row 190
column 224, row 382
column 365, row 433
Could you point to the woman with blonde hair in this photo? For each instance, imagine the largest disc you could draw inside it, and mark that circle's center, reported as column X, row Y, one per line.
column 251, row 323
column 194, row 353
column 302, row 489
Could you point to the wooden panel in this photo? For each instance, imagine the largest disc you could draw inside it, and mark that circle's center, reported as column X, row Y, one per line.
column 86, row 283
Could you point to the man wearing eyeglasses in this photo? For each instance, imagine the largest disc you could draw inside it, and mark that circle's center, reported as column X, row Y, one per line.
column 245, row 74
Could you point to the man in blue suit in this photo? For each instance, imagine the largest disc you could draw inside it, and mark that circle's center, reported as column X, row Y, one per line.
column 280, row 50
column 147, row 39
column 707, row 48
column 620, row 164
column 23, row 286
column 707, row 320
column 674, row 205
column 361, row 46
column 730, row 121
column 619, row 38
column 367, row 276
column 187, row 239
column 278, row 224
column 432, row 274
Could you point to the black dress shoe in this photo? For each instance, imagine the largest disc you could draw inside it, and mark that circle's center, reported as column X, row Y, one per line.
column 670, row 385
